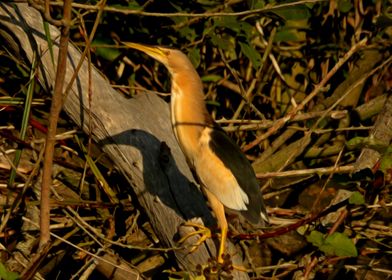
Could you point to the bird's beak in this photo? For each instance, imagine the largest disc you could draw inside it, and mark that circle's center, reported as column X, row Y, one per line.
column 153, row 51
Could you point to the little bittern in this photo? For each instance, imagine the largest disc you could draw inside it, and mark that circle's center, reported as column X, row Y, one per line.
column 225, row 174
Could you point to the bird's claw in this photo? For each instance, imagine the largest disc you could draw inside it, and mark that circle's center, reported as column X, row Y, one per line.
column 201, row 230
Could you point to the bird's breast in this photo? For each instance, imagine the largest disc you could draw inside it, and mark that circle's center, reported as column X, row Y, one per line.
column 193, row 132
column 187, row 133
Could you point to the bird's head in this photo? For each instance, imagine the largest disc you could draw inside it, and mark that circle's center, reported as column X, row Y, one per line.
column 174, row 60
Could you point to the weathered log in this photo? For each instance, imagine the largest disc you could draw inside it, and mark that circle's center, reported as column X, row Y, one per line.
column 381, row 132
column 131, row 131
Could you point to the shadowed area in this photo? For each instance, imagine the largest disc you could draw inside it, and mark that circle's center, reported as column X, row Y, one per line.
column 159, row 163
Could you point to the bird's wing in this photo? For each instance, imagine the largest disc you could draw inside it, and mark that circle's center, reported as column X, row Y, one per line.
column 225, row 171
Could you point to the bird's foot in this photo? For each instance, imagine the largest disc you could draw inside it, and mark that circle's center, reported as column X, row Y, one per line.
column 201, row 230
column 216, row 270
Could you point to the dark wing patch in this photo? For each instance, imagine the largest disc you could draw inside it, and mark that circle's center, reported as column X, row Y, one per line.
column 234, row 159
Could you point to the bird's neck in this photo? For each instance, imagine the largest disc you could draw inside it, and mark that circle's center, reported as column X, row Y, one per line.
column 188, row 106
column 188, row 111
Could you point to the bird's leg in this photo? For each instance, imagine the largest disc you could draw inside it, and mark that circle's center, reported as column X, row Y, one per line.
column 219, row 210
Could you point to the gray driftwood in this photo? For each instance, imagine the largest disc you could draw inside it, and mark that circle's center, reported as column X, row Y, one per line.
column 130, row 131
column 381, row 132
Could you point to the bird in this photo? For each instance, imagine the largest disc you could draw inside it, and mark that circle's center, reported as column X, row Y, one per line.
column 224, row 173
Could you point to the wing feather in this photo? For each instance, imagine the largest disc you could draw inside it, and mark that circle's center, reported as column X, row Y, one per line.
column 227, row 173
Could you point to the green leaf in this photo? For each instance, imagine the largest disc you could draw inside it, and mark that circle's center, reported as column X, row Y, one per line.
column 49, row 41
column 7, row 275
column 247, row 29
column 211, row 78
column 384, row 21
column 337, row 244
column 356, row 142
column 228, row 22
column 345, row 6
column 368, row 142
column 131, row 5
column 208, row 30
column 179, row 20
column 386, row 160
column 224, row 43
column 194, row 56
column 26, row 117
column 213, row 103
column 251, row 53
column 316, row 238
column 356, row 198
column 285, row 36
column 208, row 2
column 341, row 244
column 220, row 42
column 294, row 13
column 109, row 54
column 256, row 4
column 188, row 33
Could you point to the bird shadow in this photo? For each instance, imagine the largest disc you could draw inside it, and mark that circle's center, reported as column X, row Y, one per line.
column 161, row 175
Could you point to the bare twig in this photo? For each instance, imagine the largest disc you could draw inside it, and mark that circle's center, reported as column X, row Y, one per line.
column 357, row 267
column 100, row 6
column 44, row 9
column 82, row 250
column 309, row 267
column 316, row 202
column 339, row 221
column 312, row 171
column 281, row 122
column 203, row 15
column 57, row 103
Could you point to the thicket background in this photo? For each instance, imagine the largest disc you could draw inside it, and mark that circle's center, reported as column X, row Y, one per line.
column 275, row 80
